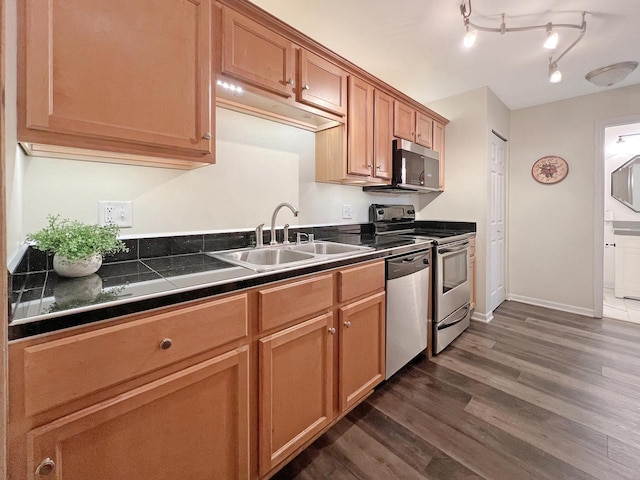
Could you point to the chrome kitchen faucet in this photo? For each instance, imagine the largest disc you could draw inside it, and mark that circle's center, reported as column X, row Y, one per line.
column 273, row 220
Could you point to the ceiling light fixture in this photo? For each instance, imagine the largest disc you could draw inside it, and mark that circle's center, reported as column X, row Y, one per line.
column 470, row 37
column 552, row 38
column 621, row 138
column 611, row 74
column 555, row 75
column 551, row 41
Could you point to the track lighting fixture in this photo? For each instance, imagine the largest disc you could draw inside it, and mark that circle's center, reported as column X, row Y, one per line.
column 551, row 39
column 555, row 75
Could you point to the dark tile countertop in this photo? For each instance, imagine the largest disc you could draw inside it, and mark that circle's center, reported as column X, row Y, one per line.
column 161, row 272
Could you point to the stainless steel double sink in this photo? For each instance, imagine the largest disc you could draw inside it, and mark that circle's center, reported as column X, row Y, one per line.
column 262, row 259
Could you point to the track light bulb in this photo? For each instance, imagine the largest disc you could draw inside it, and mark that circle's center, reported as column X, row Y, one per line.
column 552, row 40
column 470, row 37
column 555, row 75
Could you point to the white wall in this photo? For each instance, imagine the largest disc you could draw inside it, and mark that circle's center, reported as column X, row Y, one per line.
column 472, row 116
column 551, row 241
column 258, row 165
column 464, row 198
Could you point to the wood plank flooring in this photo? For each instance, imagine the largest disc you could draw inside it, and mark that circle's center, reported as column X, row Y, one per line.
column 535, row 394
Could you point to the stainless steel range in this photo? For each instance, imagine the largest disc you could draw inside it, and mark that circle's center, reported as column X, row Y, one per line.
column 451, row 275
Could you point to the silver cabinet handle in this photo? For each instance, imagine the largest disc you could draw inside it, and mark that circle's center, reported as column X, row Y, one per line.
column 166, row 343
column 378, row 167
column 45, row 467
column 332, row 331
column 369, row 166
column 207, row 136
column 347, row 323
column 290, row 82
column 306, row 87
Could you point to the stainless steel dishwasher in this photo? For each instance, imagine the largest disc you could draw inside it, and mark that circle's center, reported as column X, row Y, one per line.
column 407, row 308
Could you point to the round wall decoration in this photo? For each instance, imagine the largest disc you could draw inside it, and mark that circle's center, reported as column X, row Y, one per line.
column 550, row 169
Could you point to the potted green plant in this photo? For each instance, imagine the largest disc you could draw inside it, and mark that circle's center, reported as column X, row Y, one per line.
column 78, row 248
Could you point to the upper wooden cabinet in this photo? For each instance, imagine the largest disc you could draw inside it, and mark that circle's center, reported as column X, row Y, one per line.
column 365, row 155
column 257, row 55
column 404, row 121
column 321, row 83
column 382, row 135
column 360, row 127
column 424, row 130
column 117, row 75
column 412, row 125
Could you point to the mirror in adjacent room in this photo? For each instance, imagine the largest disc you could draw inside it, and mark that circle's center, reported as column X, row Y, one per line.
column 625, row 184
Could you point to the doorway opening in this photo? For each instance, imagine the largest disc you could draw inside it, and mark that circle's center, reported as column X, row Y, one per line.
column 621, row 222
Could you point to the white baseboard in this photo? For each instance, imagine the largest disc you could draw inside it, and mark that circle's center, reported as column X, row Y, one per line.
column 588, row 312
column 482, row 317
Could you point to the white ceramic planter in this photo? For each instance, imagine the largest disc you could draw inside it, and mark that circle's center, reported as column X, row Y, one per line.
column 76, row 268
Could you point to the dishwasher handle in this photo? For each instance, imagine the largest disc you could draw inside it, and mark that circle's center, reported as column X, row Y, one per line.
column 406, row 265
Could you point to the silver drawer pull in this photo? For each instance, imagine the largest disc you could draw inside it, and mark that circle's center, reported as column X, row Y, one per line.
column 166, row 343
column 332, row 331
column 45, row 467
column 207, row 136
column 347, row 323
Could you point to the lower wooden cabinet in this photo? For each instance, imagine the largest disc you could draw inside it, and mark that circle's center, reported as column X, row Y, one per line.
column 296, row 378
column 226, row 388
column 362, row 348
column 190, row 424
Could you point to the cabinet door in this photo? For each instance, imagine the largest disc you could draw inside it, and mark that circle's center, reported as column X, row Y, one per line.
column 383, row 131
column 424, row 130
column 360, row 127
column 438, row 146
column 362, row 348
column 295, row 388
column 256, row 54
column 191, row 424
column 321, row 83
column 404, row 121
column 120, row 70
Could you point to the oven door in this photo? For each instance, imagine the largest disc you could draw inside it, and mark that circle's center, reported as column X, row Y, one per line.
column 452, row 284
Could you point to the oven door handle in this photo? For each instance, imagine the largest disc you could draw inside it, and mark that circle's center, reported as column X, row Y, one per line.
column 454, row 321
column 445, row 252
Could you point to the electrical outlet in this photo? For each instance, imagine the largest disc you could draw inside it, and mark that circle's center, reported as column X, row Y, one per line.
column 346, row 210
column 115, row 213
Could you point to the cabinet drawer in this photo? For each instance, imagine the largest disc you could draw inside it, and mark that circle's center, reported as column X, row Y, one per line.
column 63, row 370
column 358, row 281
column 285, row 303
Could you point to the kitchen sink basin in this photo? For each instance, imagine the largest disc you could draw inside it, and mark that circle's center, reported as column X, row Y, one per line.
column 268, row 256
column 283, row 256
column 328, row 248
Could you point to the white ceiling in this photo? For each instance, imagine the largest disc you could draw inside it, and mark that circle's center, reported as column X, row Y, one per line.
column 416, row 45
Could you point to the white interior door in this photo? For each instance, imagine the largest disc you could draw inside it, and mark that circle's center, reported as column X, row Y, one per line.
column 496, row 274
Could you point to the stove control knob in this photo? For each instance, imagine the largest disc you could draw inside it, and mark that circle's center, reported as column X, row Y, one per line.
column 411, row 212
column 380, row 212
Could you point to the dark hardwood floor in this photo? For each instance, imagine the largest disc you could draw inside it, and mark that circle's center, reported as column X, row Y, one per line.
column 535, row 394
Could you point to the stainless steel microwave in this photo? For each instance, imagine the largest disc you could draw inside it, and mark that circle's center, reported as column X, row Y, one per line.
column 415, row 167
